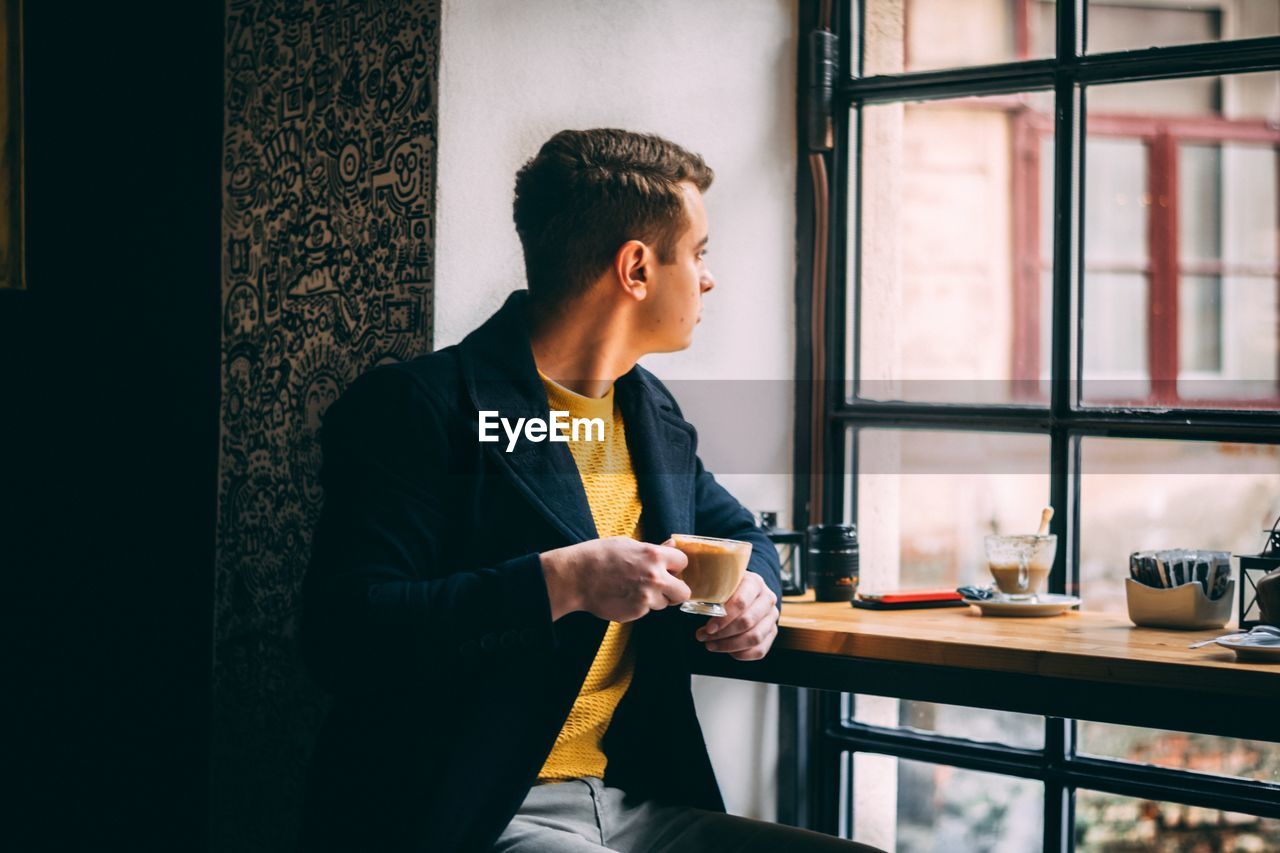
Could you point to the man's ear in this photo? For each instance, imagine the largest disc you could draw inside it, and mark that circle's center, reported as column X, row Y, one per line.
column 631, row 266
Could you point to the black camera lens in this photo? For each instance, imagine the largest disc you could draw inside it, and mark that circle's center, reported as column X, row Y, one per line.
column 833, row 561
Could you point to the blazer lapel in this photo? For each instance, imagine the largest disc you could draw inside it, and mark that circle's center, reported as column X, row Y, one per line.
column 662, row 456
column 662, row 449
column 500, row 376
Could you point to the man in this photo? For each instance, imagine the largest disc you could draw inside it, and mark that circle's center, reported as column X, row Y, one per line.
column 497, row 613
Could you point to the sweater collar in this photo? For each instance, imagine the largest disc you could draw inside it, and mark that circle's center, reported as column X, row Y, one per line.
column 500, row 375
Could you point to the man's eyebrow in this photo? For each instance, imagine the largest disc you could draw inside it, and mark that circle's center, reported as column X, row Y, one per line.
column 702, row 242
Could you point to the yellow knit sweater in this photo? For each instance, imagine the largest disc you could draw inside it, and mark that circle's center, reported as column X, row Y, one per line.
column 610, row 484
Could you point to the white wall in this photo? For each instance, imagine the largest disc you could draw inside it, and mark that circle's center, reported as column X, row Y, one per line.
column 718, row 77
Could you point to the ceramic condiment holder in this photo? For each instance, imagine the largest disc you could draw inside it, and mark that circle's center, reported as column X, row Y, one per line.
column 1185, row 606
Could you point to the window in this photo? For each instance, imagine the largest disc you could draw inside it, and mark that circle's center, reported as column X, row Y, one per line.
column 1180, row 242
column 1056, row 268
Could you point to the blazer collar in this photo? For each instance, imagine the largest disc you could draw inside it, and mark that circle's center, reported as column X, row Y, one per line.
column 500, row 375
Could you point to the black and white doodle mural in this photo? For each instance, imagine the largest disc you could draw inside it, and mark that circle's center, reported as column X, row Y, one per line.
column 328, row 197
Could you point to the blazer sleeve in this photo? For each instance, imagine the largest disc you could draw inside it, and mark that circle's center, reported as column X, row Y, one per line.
column 718, row 513
column 379, row 609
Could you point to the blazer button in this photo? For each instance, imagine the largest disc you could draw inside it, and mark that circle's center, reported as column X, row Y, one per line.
column 469, row 649
column 510, row 638
column 489, row 642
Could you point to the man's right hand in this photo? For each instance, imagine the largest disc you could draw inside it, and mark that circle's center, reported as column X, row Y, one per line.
column 619, row 578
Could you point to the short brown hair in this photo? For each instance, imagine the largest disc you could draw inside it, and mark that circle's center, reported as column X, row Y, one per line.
column 589, row 191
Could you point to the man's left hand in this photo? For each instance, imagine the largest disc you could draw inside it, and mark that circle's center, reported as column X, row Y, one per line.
column 749, row 625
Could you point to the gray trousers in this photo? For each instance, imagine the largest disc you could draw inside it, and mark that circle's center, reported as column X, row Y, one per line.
column 585, row 814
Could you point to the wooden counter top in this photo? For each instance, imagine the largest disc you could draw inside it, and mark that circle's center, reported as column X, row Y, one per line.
column 1079, row 665
column 1079, row 645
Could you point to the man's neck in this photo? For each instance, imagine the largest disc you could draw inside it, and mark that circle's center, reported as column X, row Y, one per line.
column 585, row 346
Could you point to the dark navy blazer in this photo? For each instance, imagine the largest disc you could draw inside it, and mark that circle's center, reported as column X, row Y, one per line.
column 426, row 612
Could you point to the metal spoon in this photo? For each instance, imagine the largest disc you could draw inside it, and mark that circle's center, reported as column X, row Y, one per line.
column 1257, row 630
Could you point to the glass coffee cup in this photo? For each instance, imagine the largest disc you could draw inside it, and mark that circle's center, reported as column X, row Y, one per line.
column 716, row 567
column 1020, row 565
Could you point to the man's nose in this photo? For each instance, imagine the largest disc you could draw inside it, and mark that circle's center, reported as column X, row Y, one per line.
column 708, row 281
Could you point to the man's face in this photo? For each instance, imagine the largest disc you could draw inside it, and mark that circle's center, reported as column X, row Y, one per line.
column 674, row 302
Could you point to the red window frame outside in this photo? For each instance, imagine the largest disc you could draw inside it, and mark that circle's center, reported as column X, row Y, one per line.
column 1161, row 135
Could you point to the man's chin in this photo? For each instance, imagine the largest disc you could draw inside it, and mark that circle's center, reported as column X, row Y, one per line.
column 673, row 346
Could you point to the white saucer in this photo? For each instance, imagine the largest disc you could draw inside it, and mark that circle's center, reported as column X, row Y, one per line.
column 1250, row 648
column 1044, row 604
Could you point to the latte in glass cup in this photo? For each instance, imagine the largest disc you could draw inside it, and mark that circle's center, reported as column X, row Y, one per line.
column 716, row 567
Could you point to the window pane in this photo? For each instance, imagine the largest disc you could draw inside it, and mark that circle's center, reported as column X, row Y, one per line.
column 1183, row 96
column 1220, row 756
column 1046, row 323
column 926, row 499
column 904, row 805
column 1227, row 336
column 1248, row 347
column 919, row 35
column 1139, row 494
column 1181, row 231
column 1126, row 25
column 1115, row 268
column 1251, row 218
column 1109, row 823
column 957, row 721
column 949, row 262
column 1199, row 326
column 1116, row 201
column 1199, row 203
column 1115, row 335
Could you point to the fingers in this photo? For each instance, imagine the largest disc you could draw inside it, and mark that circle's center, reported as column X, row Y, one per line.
column 751, row 590
column 759, row 611
column 759, row 650
column 674, row 590
column 670, row 562
column 751, row 644
column 750, row 625
column 673, row 559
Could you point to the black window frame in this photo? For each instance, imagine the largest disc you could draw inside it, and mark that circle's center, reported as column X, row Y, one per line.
column 817, row 734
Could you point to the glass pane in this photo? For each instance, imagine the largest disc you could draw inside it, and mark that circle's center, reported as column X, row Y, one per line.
column 1116, row 201
column 1044, row 212
column 1126, row 25
column 1115, row 336
column 1199, row 326
column 1251, row 218
column 1140, row 494
column 906, row 806
column 1115, row 227
column 951, row 196
column 1239, row 237
column 1199, row 203
column 926, row 499
column 1181, row 231
column 920, row 35
column 1220, row 756
column 1046, row 323
column 1185, row 96
column 1248, row 347
column 1110, row 823
column 957, row 721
